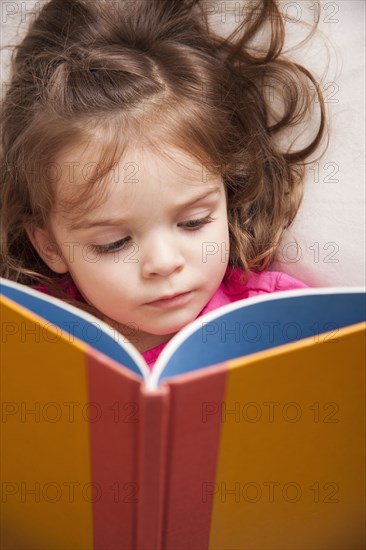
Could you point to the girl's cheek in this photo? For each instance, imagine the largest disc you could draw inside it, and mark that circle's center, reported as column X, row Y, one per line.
column 104, row 270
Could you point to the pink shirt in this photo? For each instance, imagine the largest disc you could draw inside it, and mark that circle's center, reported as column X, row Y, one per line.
column 230, row 290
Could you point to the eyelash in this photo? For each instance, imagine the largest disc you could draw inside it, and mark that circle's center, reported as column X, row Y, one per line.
column 112, row 247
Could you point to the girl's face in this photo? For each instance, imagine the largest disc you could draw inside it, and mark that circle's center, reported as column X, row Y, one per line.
column 162, row 231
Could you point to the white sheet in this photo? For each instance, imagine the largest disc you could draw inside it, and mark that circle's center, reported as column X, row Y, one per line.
column 330, row 226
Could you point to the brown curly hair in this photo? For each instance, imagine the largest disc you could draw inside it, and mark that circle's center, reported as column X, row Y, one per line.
column 85, row 69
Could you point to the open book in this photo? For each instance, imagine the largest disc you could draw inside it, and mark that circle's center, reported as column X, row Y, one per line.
column 249, row 433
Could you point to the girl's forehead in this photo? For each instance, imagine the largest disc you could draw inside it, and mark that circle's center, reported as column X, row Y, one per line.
column 139, row 171
column 77, row 166
column 161, row 153
column 172, row 165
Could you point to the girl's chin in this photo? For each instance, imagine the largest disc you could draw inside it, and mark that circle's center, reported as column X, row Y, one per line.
column 150, row 335
column 169, row 330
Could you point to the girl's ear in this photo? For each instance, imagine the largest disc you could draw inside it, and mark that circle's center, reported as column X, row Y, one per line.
column 47, row 248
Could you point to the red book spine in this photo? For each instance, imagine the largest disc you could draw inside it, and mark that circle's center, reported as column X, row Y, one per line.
column 152, row 453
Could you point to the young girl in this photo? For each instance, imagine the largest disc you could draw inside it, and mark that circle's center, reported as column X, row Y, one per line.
column 144, row 176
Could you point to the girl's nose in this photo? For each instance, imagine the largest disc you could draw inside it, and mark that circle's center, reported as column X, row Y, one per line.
column 161, row 257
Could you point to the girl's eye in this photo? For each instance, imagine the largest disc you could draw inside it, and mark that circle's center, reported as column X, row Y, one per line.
column 112, row 247
column 191, row 225
column 196, row 224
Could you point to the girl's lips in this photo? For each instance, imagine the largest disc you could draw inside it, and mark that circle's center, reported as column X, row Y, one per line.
column 167, row 303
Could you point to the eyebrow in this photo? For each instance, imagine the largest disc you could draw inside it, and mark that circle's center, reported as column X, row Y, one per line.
column 87, row 224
